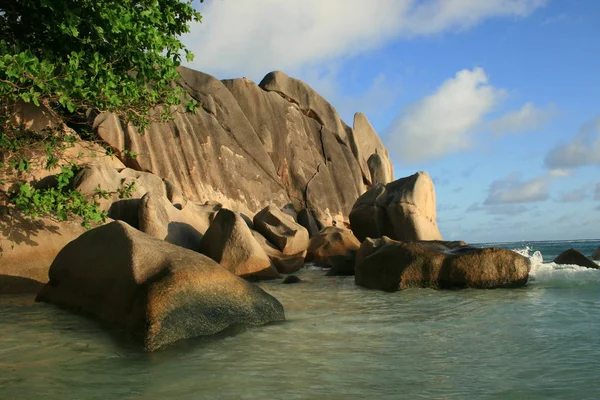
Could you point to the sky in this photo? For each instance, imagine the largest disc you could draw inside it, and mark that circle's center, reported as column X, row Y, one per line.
column 498, row 100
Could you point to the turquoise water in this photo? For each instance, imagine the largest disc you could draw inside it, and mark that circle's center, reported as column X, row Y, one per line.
column 340, row 342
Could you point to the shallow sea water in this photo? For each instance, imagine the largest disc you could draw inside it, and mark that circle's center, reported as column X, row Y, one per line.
column 340, row 341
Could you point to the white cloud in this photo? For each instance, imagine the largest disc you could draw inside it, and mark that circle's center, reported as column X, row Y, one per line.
column 254, row 37
column 529, row 117
column 582, row 150
column 560, row 173
column 513, row 190
column 442, row 123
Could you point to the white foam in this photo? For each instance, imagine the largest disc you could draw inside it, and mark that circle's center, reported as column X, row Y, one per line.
column 552, row 273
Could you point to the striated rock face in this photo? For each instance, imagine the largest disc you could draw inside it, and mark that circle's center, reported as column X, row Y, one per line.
column 317, row 169
column 574, row 257
column 281, row 230
column 158, row 292
column 229, row 241
column 403, row 210
column 250, row 146
column 183, row 227
column 389, row 265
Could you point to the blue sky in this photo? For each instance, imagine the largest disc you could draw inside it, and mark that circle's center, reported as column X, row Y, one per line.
column 497, row 100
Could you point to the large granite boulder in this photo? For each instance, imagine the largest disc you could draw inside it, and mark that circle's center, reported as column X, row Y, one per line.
column 334, row 248
column 28, row 247
column 285, row 264
column 402, row 210
column 89, row 179
column 596, row 255
column 229, row 241
column 158, row 292
column 318, row 170
column 575, row 257
column 281, row 230
column 184, row 226
column 250, row 146
column 390, row 265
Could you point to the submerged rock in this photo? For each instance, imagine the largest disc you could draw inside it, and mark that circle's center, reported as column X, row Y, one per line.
column 402, row 210
column 334, row 248
column 229, row 241
column 575, row 257
column 158, row 292
column 390, row 265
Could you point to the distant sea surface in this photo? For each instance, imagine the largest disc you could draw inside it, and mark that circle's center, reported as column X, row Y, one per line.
column 340, row 341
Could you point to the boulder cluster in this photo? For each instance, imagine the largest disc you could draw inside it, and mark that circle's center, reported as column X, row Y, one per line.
column 261, row 180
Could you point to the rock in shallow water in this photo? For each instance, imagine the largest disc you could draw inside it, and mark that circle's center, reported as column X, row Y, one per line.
column 389, row 265
column 596, row 255
column 158, row 292
column 334, row 248
column 574, row 257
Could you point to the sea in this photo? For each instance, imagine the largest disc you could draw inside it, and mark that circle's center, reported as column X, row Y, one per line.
column 340, row 341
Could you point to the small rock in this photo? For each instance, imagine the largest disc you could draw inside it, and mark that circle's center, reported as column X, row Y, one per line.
column 575, row 257
column 291, row 279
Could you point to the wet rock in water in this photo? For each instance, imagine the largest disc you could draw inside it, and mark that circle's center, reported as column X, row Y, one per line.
column 158, row 292
column 335, row 248
column 389, row 265
column 281, row 230
column 230, row 242
column 290, row 279
column 183, row 226
column 575, row 257
column 285, row 264
column 402, row 210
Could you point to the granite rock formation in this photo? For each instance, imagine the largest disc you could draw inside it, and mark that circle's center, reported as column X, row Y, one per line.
column 390, row 265
column 158, row 292
column 402, row 210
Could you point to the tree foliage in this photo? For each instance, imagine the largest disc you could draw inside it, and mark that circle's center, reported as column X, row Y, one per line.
column 73, row 56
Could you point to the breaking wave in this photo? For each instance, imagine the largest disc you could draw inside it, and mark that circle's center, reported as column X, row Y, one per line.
column 551, row 274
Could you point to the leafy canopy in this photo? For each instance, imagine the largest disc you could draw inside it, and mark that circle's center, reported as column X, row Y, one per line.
column 71, row 56
column 111, row 55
